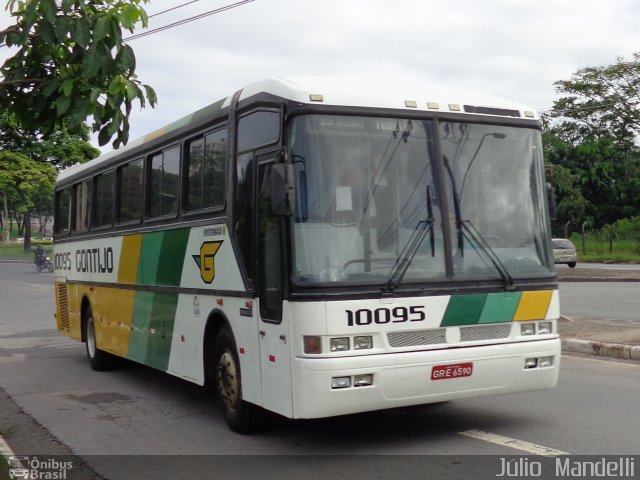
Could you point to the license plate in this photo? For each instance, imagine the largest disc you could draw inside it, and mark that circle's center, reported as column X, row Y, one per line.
column 456, row 370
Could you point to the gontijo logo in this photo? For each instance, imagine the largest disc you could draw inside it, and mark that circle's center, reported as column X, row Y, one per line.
column 206, row 260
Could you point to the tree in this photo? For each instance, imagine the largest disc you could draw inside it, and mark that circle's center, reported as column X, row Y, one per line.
column 590, row 139
column 27, row 180
column 603, row 100
column 28, row 156
column 72, row 64
column 60, row 148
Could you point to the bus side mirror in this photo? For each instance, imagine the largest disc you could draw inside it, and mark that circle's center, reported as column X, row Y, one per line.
column 282, row 191
column 551, row 201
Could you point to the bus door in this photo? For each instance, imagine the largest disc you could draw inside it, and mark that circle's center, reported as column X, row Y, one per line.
column 274, row 331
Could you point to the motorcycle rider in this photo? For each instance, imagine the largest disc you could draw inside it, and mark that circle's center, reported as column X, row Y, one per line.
column 40, row 255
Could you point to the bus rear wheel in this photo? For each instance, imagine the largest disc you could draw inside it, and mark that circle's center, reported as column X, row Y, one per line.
column 241, row 416
column 98, row 359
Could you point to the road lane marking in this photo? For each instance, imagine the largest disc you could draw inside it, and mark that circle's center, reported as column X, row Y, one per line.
column 514, row 443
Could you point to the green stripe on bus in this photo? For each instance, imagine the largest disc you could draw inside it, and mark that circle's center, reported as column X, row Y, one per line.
column 163, row 314
column 500, row 307
column 149, row 258
column 152, row 328
column 464, row 310
column 174, row 246
column 139, row 337
column 162, row 257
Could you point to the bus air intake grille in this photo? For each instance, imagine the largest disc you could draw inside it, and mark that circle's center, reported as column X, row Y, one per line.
column 63, row 305
column 417, row 337
column 485, row 332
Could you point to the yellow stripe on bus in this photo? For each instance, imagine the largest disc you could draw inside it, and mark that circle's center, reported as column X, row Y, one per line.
column 533, row 305
column 129, row 258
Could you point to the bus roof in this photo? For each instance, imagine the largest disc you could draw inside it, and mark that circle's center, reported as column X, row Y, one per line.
column 339, row 91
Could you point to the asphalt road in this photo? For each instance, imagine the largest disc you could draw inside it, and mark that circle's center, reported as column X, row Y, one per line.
column 601, row 300
column 154, row 423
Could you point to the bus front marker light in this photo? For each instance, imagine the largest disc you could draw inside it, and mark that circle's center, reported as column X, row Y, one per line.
column 339, row 344
column 545, row 328
column 340, row 382
column 312, row 344
column 545, row 362
column 527, row 329
column 362, row 343
column 530, row 363
column 364, row 380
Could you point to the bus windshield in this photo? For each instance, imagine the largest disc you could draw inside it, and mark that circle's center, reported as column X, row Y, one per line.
column 369, row 206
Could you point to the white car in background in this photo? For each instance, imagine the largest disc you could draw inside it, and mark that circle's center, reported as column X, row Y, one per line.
column 564, row 252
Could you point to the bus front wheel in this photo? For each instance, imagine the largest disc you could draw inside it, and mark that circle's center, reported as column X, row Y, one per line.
column 98, row 359
column 241, row 416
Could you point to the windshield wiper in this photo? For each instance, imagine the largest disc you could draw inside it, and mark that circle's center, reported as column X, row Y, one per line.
column 410, row 248
column 470, row 229
column 463, row 226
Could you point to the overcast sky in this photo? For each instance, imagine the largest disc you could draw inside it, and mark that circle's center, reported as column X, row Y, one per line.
column 511, row 48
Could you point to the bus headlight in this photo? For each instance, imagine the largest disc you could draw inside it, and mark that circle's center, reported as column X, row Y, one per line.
column 364, row 380
column 339, row 344
column 545, row 362
column 340, row 382
column 528, row 329
column 545, row 328
column 361, row 343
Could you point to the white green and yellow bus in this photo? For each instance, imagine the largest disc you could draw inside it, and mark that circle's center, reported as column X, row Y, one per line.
column 317, row 247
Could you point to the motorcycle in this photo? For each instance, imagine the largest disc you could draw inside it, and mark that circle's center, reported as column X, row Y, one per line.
column 42, row 262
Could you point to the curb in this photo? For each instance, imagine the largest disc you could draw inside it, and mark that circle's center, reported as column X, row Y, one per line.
column 598, row 279
column 602, row 349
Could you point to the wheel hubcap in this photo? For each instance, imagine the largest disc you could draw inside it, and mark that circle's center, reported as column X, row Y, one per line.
column 228, row 380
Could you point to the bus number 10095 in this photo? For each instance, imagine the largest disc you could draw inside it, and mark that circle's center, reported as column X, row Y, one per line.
column 365, row 316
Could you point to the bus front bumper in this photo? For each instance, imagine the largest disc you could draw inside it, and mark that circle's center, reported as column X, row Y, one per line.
column 404, row 379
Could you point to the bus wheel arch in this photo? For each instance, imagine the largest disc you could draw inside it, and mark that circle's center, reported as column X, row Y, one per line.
column 224, row 375
column 99, row 360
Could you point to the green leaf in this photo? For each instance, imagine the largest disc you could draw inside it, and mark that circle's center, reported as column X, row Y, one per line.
column 48, row 87
column 95, row 93
column 47, row 33
column 151, row 95
column 91, row 62
column 126, row 58
column 116, row 86
column 61, row 27
column 49, row 8
column 67, row 5
column 103, row 26
column 133, row 91
column 104, row 136
column 81, row 33
column 62, row 105
column 67, row 87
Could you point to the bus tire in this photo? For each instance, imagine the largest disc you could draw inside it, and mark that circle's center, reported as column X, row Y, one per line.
column 241, row 416
column 98, row 359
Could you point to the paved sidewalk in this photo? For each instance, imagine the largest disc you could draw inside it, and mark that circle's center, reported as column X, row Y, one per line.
column 608, row 338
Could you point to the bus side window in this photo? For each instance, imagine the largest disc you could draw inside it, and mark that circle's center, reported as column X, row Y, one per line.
column 129, row 192
column 206, row 169
column 62, row 223
column 258, row 129
column 163, row 183
column 103, row 206
column 269, row 251
column 82, row 193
